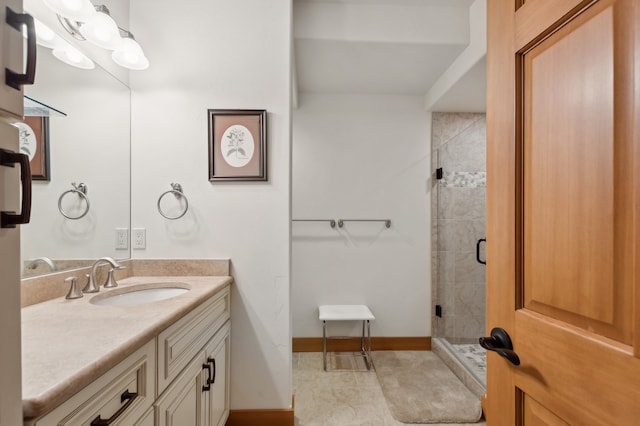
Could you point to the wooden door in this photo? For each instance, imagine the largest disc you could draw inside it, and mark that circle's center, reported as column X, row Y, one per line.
column 563, row 194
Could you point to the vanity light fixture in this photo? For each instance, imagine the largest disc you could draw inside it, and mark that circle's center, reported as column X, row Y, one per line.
column 77, row 10
column 45, row 35
column 101, row 30
column 129, row 54
column 72, row 56
column 62, row 50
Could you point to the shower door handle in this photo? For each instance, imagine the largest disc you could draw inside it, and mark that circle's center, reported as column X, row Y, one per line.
column 480, row 241
column 500, row 342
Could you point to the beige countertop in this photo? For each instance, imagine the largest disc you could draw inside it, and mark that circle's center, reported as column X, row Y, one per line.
column 67, row 344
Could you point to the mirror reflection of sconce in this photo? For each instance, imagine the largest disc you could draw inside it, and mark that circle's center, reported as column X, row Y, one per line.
column 92, row 23
column 81, row 191
column 176, row 190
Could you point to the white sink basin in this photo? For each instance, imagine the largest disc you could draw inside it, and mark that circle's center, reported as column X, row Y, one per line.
column 137, row 295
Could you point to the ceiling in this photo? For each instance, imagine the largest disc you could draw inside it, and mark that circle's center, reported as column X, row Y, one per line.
column 385, row 47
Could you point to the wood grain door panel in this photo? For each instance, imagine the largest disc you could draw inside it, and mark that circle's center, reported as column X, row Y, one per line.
column 573, row 257
column 563, row 196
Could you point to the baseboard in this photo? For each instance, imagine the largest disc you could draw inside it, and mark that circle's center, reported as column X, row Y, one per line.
column 276, row 417
column 314, row 344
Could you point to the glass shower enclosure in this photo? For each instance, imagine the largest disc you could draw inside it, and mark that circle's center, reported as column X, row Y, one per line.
column 458, row 230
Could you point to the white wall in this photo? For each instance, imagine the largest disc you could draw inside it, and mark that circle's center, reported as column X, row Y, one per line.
column 444, row 91
column 362, row 156
column 220, row 54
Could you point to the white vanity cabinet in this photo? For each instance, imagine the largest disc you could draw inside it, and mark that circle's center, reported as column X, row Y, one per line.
column 123, row 394
column 180, row 377
column 199, row 395
column 193, row 367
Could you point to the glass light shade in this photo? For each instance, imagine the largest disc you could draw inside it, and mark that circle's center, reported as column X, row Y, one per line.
column 130, row 55
column 72, row 56
column 45, row 36
column 102, row 31
column 77, row 10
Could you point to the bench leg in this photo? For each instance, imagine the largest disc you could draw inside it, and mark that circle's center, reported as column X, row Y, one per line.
column 324, row 345
column 365, row 346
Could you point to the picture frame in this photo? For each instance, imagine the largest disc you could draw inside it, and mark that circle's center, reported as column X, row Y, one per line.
column 237, row 145
column 34, row 142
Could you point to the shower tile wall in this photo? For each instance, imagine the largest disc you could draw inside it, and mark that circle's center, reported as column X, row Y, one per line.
column 458, row 221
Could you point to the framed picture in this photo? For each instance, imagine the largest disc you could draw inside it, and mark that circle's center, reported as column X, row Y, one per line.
column 34, row 142
column 237, row 145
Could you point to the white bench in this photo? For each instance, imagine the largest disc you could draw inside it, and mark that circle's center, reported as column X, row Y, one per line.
column 347, row 313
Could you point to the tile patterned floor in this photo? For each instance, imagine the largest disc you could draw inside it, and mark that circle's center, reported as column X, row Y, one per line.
column 474, row 357
column 346, row 395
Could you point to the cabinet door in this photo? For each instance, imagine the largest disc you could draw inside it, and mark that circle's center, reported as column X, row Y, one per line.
column 217, row 352
column 184, row 401
column 11, row 43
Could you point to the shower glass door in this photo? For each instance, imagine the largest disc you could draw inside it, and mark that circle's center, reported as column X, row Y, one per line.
column 458, row 216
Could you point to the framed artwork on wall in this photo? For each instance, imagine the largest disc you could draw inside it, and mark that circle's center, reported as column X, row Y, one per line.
column 34, row 142
column 237, row 145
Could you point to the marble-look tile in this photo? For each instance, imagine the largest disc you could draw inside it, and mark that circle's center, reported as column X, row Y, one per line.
column 446, row 126
column 466, row 152
column 467, row 269
column 446, row 202
column 465, row 234
column 457, row 179
column 469, row 203
column 468, row 327
column 470, row 299
column 447, row 234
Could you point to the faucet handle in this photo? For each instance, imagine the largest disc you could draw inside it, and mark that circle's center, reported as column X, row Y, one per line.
column 111, row 281
column 74, row 291
column 90, row 287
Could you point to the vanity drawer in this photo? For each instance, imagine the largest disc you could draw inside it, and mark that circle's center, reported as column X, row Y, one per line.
column 127, row 390
column 178, row 344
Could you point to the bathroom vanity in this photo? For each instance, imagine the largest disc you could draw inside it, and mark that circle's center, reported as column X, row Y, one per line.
column 163, row 362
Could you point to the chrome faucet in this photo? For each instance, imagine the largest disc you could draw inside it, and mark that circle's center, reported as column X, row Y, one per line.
column 34, row 263
column 91, row 286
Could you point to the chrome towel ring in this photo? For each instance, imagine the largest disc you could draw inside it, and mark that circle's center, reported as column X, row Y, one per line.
column 81, row 191
column 176, row 190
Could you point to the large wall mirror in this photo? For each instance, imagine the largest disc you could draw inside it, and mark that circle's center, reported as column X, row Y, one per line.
column 88, row 148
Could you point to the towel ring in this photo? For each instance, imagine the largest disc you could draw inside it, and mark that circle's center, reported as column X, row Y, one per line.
column 81, row 191
column 176, row 190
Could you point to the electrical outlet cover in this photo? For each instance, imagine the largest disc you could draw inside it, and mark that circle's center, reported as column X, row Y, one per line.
column 122, row 239
column 139, row 238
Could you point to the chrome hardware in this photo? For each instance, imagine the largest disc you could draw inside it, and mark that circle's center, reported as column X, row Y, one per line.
column 176, row 190
column 92, row 286
column 387, row 222
column 34, row 263
column 111, row 280
column 80, row 190
column 332, row 222
column 74, row 291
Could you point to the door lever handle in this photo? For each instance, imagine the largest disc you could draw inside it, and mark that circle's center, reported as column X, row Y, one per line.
column 500, row 342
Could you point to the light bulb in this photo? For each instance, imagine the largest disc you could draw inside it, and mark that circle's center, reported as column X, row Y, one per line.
column 72, row 56
column 102, row 31
column 130, row 55
column 44, row 35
